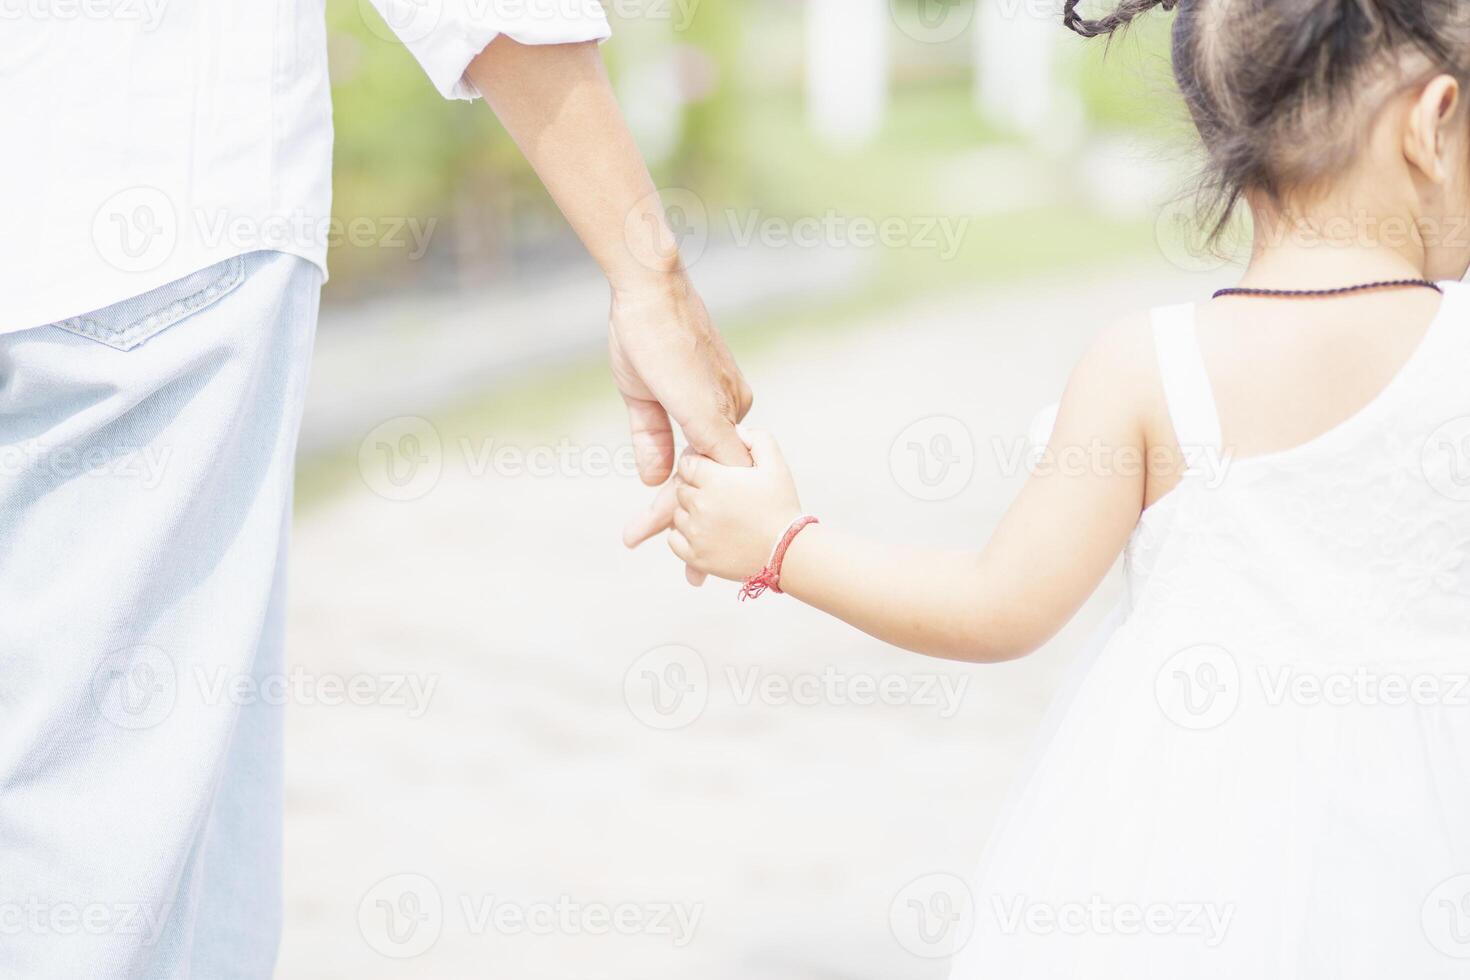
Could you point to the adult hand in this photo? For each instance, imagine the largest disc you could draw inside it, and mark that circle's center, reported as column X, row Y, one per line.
column 669, row 361
column 672, row 367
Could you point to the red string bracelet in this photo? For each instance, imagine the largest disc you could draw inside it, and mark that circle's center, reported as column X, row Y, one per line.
column 770, row 576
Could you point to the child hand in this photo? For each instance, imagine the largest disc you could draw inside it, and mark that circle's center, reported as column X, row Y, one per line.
column 729, row 518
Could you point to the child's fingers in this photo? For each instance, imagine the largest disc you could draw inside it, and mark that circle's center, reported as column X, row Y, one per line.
column 680, row 546
column 685, row 495
column 693, row 468
column 682, row 527
column 763, row 449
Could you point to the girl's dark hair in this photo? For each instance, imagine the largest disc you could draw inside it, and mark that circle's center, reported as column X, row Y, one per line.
column 1282, row 91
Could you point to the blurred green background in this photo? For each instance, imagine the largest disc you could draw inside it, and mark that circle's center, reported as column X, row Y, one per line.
column 743, row 139
column 720, row 97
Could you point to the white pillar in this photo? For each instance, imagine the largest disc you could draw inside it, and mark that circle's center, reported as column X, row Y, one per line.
column 1015, row 45
column 649, row 88
column 847, row 68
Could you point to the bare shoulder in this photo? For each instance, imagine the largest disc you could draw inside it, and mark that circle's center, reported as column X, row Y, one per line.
column 1118, row 375
column 1114, row 393
column 1123, row 349
column 1116, row 396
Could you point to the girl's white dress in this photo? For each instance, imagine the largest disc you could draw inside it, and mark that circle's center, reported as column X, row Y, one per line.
column 1262, row 770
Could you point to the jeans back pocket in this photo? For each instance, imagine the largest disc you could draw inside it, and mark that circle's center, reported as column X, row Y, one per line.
column 126, row 324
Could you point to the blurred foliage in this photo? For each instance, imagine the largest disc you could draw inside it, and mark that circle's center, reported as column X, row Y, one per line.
column 742, row 140
column 1127, row 81
column 402, row 151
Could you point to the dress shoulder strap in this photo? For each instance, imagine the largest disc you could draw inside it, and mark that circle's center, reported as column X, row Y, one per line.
column 1187, row 388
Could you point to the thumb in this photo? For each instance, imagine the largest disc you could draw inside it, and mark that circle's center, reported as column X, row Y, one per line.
column 720, row 442
column 763, row 448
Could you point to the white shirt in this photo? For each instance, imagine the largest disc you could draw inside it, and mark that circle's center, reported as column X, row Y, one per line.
column 147, row 139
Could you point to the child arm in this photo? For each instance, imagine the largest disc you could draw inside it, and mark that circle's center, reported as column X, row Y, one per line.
column 1050, row 551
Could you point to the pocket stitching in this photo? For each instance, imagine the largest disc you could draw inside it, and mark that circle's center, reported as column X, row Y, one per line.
column 150, row 325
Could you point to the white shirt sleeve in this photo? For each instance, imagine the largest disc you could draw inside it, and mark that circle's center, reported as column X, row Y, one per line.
column 446, row 35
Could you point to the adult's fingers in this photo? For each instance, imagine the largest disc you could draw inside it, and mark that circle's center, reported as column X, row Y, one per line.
column 653, row 439
column 694, row 577
column 716, row 438
column 657, row 518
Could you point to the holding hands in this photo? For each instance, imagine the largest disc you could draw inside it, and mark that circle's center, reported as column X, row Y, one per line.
column 726, row 518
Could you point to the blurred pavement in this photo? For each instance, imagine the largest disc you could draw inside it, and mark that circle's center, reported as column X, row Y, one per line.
column 413, row 353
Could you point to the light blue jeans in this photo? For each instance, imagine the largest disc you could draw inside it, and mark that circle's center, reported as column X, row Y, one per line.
column 145, row 487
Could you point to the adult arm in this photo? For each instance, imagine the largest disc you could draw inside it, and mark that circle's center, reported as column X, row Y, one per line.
column 668, row 359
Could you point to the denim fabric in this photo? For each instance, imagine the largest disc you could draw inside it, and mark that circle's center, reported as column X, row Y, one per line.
column 145, row 484
column 127, row 324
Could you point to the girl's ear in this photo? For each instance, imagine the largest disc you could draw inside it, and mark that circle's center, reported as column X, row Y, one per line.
column 1425, row 132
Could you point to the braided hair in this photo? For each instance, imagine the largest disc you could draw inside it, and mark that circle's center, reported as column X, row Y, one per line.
column 1119, row 18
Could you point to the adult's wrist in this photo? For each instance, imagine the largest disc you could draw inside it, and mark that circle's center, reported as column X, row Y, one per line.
column 663, row 278
column 648, row 253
